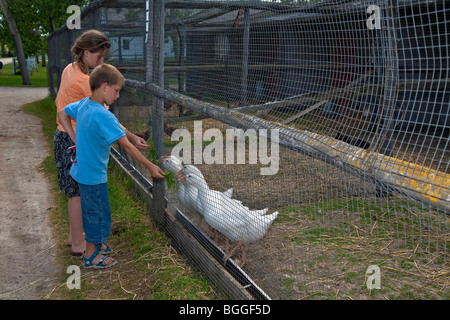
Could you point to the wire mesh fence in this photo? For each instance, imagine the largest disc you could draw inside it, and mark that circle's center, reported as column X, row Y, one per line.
column 320, row 128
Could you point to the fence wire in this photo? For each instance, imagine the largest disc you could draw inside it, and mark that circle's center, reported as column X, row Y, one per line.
column 327, row 122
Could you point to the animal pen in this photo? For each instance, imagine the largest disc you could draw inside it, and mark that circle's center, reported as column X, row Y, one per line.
column 335, row 114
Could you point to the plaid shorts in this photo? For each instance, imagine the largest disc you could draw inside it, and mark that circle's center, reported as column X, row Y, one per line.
column 61, row 144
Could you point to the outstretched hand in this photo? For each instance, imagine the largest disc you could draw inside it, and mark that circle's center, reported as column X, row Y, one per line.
column 140, row 143
column 137, row 141
column 156, row 171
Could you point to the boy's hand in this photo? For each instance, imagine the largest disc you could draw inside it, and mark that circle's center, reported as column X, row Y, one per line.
column 156, row 171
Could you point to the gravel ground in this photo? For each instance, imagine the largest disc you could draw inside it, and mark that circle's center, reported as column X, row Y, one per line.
column 27, row 252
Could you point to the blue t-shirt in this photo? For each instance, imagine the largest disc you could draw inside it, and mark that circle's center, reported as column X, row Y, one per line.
column 96, row 129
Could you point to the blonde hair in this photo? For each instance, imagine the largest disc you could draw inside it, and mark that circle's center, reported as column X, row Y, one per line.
column 92, row 41
column 105, row 73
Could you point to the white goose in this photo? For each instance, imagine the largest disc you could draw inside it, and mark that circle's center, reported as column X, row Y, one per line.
column 189, row 201
column 235, row 222
column 191, row 191
column 190, row 169
column 171, row 163
column 187, row 194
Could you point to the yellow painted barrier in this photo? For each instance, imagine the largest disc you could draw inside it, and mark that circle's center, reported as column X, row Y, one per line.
column 420, row 182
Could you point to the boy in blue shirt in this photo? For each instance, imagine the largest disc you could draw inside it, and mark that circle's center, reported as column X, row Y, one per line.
column 96, row 130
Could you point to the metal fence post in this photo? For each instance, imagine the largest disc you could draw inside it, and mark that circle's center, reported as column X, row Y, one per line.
column 245, row 45
column 158, row 204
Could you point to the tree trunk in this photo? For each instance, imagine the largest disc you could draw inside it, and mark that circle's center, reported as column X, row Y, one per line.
column 18, row 42
column 51, row 23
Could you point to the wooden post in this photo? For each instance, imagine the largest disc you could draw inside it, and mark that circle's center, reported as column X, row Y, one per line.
column 245, row 45
column 148, row 44
column 387, row 119
column 158, row 204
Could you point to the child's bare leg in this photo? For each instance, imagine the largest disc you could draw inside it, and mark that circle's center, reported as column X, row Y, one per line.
column 76, row 236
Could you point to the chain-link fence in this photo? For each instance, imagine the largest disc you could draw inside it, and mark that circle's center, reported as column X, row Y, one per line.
column 334, row 115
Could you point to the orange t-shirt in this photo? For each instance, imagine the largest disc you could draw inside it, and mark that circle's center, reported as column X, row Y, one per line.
column 74, row 86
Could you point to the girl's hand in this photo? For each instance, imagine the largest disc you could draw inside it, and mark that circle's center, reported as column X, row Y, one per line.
column 140, row 143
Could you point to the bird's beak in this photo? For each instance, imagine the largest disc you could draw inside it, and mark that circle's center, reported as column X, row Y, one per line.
column 161, row 160
column 180, row 175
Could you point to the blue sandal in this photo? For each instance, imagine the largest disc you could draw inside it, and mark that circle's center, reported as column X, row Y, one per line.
column 87, row 262
column 106, row 251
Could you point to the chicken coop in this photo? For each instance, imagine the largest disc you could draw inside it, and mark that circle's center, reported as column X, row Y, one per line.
column 312, row 136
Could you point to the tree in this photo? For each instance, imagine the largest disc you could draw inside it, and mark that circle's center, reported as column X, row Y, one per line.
column 35, row 20
column 18, row 42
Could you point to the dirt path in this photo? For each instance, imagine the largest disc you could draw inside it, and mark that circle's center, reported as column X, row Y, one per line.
column 27, row 254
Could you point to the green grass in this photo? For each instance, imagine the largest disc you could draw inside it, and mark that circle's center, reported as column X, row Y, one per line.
column 351, row 233
column 38, row 78
column 148, row 268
